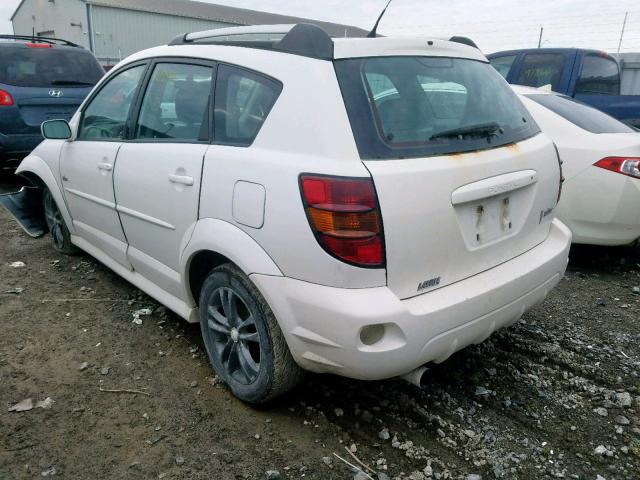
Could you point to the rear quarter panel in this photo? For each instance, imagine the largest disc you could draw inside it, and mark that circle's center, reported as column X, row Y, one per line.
column 307, row 131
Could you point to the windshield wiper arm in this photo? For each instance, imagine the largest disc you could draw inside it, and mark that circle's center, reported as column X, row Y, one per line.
column 69, row 82
column 479, row 130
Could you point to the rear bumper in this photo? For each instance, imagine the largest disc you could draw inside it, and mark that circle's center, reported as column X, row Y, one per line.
column 607, row 234
column 18, row 146
column 323, row 325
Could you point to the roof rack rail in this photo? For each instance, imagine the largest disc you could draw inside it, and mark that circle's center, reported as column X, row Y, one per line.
column 300, row 39
column 36, row 38
column 464, row 41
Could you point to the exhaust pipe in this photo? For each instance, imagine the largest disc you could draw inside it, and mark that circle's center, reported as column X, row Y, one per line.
column 416, row 377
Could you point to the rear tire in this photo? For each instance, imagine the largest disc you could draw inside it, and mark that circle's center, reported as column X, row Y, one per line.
column 60, row 235
column 245, row 344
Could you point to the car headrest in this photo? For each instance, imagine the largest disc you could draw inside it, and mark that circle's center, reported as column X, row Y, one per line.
column 191, row 100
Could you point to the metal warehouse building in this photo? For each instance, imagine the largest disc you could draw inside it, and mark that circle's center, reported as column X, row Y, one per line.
column 114, row 29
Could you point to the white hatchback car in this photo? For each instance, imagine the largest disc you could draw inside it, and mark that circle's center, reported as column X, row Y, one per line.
column 601, row 163
column 258, row 181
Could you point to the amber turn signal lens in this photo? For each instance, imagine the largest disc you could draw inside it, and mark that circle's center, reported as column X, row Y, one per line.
column 351, row 224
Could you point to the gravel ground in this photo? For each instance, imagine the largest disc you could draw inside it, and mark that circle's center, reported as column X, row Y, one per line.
column 555, row 396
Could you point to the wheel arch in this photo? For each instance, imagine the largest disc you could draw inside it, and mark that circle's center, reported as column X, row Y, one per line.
column 36, row 171
column 215, row 242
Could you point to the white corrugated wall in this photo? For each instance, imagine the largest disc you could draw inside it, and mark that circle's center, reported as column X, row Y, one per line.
column 63, row 18
column 118, row 32
column 630, row 82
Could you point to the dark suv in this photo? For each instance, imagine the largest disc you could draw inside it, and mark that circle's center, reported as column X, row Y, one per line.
column 41, row 79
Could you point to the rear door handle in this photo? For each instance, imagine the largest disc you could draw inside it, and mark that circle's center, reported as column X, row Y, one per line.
column 107, row 167
column 181, row 179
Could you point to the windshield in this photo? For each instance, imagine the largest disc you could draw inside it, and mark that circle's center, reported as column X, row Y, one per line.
column 47, row 67
column 584, row 116
column 420, row 106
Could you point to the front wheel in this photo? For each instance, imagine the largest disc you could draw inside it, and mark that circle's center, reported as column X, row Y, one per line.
column 245, row 344
column 60, row 235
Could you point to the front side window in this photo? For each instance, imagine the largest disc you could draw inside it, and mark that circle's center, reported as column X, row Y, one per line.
column 600, row 74
column 584, row 116
column 105, row 118
column 403, row 107
column 243, row 100
column 176, row 103
column 503, row 64
column 541, row 69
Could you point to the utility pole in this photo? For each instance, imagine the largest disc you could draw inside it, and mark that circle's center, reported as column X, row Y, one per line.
column 540, row 37
column 624, row 24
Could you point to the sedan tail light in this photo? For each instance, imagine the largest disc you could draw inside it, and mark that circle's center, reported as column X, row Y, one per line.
column 629, row 166
column 6, row 100
column 345, row 217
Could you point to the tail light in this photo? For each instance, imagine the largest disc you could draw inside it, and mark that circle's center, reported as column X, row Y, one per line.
column 345, row 218
column 6, row 100
column 629, row 166
column 561, row 174
column 39, row 45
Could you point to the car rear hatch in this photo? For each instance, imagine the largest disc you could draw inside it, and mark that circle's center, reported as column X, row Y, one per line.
column 37, row 105
column 46, row 80
column 447, row 218
column 464, row 179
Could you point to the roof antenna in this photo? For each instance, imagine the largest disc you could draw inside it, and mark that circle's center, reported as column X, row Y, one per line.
column 374, row 31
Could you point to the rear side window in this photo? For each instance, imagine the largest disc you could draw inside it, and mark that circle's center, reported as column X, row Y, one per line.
column 48, row 67
column 243, row 100
column 540, row 69
column 403, row 107
column 600, row 74
column 503, row 64
column 176, row 103
column 584, row 116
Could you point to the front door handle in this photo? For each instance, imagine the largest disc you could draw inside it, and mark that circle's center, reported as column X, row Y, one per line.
column 107, row 167
column 181, row 179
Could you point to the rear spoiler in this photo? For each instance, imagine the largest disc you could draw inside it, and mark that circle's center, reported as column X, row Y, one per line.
column 464, row 41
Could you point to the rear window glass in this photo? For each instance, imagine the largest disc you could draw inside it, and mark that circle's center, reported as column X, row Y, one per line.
column 421, row 106
column 503, row 64
column 584, row 116
column 48, row 67
column 540, row 69
column 599, row 75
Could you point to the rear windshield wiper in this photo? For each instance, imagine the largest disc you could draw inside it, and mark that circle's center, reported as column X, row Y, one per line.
column 479, row 130
column 70, row 82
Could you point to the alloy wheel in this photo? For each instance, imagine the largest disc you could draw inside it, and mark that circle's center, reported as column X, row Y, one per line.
column 54, row 220
column 236, row 340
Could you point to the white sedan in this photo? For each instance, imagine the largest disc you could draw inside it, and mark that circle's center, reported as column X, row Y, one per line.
column 601, row 161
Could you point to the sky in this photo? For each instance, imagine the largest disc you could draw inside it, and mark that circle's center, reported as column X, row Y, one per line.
column 493, row 24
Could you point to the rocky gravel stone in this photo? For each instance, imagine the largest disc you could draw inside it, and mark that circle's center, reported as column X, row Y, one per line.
column 623, row 399
column 603, row 412
column 622, row 420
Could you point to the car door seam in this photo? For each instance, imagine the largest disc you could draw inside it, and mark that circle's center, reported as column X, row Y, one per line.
column 115, row 195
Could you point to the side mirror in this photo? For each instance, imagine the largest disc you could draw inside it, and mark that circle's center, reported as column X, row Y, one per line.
column 56, row 130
